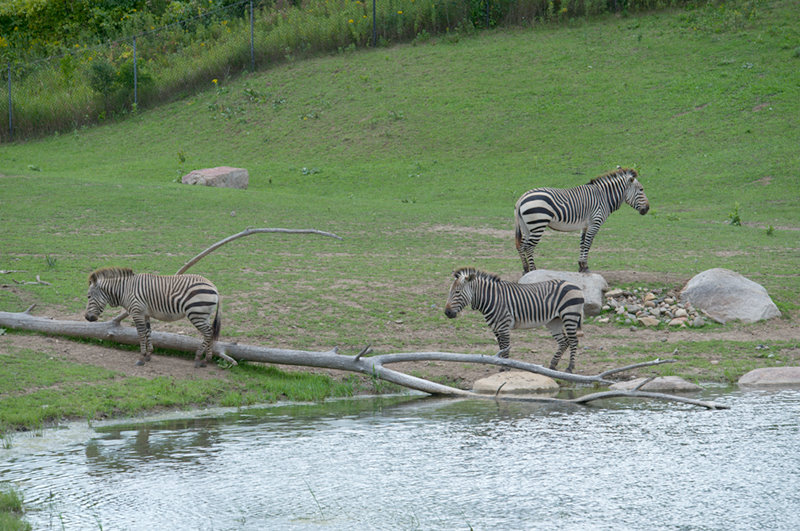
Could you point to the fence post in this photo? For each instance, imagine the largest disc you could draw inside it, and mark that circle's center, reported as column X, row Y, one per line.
column 10, row 112
column 135, row 77
column 374, row 27
column 252, row 47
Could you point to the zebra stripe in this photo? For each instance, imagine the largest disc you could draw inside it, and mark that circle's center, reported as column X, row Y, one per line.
column 507, row 306
column 166, row 298
column 583, row 208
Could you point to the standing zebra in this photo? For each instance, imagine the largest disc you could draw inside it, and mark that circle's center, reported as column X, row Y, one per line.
column 509, row 306
column 167, row 298
column 583, row 208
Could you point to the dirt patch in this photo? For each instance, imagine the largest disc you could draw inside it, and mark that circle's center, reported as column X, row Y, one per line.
column 117, row 360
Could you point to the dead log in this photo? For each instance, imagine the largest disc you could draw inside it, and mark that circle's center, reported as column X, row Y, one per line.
column 374, row 366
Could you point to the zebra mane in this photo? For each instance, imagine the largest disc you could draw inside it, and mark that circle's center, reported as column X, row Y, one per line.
column 477, row 273
column 110, row 272
column 616, row 174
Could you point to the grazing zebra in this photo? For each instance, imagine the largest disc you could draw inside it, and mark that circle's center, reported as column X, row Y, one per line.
column 167, row 298
column 508, row 306
column 583, row 208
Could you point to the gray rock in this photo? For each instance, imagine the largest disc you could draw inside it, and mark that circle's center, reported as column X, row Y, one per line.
column 515, row 383
column 221, row 176
column 662, row 384
column 592, row 284
column 726, row 295
column 771, row 376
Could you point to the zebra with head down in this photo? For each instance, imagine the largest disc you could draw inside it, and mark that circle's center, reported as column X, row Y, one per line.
column 583, row 208
column 166, row 298
column 508, row 306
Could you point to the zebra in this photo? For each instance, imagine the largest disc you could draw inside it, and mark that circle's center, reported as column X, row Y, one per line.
column 583, row 208
column 509, row 306
column 167, row 298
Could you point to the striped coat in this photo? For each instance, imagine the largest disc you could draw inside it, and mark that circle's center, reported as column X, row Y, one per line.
column 584, row 208
column 162, row 297
column 507, row 306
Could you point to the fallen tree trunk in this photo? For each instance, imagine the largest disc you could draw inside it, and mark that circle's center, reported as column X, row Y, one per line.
column 374, row 366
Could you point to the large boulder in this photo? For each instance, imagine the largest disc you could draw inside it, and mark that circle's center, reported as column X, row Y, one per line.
column 515, row 383
column 592, row 284
column 771, row 376
column 221, row 176
column 662, row 384
column 726, row 296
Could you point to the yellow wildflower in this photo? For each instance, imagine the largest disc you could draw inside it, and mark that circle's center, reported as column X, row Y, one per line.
column 350, row 21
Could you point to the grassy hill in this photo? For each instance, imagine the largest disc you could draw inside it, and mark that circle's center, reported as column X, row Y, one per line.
column 415, row 155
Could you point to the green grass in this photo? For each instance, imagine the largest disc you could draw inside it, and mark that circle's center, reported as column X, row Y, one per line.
column 415, row 155
column 703, row 360
column 38, row 391
column 11, row 510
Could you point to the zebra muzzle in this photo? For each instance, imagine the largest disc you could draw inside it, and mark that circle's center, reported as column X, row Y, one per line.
column 90, row 317
column 450, row 313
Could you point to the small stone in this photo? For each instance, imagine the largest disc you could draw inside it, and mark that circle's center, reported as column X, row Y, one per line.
column 698, row 322
column 680, row 312
column 678, row 321
column 603, row 320
column 649, row 296
column 613, row 293
column 669, row 300
column 649, row 304
column 648, row 321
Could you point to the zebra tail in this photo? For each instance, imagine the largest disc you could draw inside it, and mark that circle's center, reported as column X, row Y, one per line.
column 217, row 325
column 517, row 228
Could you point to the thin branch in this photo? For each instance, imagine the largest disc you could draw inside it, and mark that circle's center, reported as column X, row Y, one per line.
column 246, row 232
column 645, row 382
column 364, row 351
column 646, row 394
column 635, row 366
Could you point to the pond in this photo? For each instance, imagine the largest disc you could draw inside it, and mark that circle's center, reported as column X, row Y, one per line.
column 425, row 463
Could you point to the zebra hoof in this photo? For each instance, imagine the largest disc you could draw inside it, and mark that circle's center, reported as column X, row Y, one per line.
column 199, row 364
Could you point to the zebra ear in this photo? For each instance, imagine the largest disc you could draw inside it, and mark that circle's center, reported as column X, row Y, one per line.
column 470, row 277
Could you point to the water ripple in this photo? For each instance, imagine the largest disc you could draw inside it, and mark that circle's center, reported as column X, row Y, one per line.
column 427, row 464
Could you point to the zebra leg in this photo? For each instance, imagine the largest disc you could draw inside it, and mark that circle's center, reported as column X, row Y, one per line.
column 205, row 327
column 149, row 352
column 587, row 236
column 525, row 248
column 504, row 342
column 571, row 331
column 556, row 329
column 143, row 329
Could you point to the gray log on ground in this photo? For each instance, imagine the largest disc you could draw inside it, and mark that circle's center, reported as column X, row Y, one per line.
column 369, row 365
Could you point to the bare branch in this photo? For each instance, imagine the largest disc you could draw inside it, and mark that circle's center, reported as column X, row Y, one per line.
column 364, row 351
column 645, row 382
column 646, row 394
column 246, row 232
column 635, row 366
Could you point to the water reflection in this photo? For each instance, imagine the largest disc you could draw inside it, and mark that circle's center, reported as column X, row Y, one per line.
column 425, row 463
